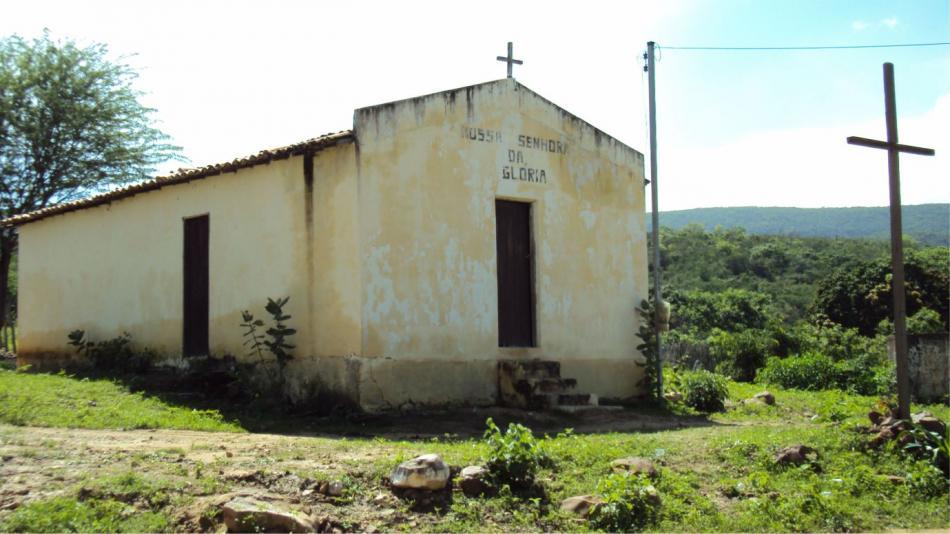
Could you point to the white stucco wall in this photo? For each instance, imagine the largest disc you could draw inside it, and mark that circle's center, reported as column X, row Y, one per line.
column 118, row 267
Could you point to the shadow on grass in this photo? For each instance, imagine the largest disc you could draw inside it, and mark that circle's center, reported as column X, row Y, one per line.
column 331, row 418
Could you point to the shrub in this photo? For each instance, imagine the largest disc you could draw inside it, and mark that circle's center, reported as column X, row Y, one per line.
column 864, row 375
column 809, row 371
column 114, row 354
column 840, row 343
column 925, row 479
column 703, row 390
column 630, row 504
column 740, row 354
column 813, row 371
column 515, row 456
column 925, row 321
column 923, row 444
column 647, row 347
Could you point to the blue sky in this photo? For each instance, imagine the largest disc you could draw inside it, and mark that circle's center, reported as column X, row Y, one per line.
column 801, row 88
column 735, row 128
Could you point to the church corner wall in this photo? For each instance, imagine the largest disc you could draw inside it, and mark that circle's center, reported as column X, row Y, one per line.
column 328, row 365
column 430, row 170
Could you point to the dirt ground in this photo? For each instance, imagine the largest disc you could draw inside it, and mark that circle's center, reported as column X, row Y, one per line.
column 38, row 463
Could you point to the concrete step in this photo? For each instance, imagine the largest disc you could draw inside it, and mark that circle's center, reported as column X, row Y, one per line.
column 530, row 369
column 584, row 409
column 544, row 401
column 577, row 399
column 553, row 385
column 537, row 385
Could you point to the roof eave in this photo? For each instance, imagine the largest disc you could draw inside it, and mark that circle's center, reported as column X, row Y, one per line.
column 183, row 176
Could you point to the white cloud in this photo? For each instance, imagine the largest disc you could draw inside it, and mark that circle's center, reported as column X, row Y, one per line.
column 861, row 25
column 889, row 22
column 810, row 167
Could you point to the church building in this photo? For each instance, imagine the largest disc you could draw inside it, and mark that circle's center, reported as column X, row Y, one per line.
column 448, row 249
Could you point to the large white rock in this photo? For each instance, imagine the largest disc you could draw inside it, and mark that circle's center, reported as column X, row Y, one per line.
column 427, row 472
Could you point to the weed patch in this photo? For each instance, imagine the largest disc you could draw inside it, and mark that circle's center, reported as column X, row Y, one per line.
column 67, row 514
column 630, row 503
column 515, row 456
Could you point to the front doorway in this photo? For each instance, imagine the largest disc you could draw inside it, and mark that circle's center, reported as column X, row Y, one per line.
column 516, row 325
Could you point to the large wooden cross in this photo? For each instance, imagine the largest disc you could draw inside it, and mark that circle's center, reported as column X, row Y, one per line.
column 510, row 59
column 897, row 249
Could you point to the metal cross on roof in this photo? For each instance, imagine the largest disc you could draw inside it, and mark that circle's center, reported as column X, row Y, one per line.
column 897, row 249
column 510, row 59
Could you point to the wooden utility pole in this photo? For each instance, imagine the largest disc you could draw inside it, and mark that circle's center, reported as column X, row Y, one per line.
column 657, row 295
column 897, row 248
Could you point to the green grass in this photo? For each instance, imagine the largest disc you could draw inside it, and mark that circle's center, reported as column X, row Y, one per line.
column 67, row 514
column 64, row 401
column 11, row 332
column 717, row 477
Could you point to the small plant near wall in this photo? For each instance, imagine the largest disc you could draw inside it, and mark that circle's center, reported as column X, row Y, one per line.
column 253, row 340
column 278, row 334
column 647, row 334
column 114, row 354
column 275, row 338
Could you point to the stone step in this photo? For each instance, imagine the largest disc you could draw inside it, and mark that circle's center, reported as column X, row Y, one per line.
column 577, row 399
column 530, row 369
column 553, row 385
column 545, row 401
column 585, row 409
column 537, row 385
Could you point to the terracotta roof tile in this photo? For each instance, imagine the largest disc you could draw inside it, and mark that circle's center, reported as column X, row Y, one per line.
column 185, row 175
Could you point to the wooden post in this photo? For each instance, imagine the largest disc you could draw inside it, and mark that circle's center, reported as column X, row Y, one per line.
column 897, row 248
column 897, row 245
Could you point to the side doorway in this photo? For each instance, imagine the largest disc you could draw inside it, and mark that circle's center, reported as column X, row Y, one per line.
column 195, row 308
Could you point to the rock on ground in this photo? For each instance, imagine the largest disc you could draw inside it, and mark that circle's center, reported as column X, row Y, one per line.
column 673, row 396
column 929, row 422
column 246, row 514
column 473, row 480
column 635, row 465
column 796, row 455
column 580, row 505
column 427, row 472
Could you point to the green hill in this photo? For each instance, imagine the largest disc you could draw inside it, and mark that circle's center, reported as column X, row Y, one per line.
column 927, row 223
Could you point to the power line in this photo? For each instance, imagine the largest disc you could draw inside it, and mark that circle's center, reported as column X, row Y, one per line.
column 845, row 47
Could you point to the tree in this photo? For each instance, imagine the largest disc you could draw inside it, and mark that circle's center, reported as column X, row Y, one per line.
column 860, row 297
column 71, row 125
column 731, row 310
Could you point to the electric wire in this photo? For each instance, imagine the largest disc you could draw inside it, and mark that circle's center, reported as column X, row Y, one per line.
column 842, row 47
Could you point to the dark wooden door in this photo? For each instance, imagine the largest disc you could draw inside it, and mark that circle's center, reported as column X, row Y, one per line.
column 195, row 312
column 515, row 274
